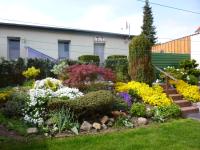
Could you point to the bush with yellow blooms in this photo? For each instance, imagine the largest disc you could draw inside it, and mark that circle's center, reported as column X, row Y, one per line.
column 150, row 95
column 189, row 92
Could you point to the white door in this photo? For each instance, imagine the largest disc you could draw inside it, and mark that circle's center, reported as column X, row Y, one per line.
column 99, row 51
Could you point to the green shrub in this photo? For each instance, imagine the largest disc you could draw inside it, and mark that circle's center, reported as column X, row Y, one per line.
column 123, row 122
column 119, row 64
column 138, row 110
column 96, row 86
column 120, row 104
column 91, row 103
column 63, row 119
column 117, row 57
column 44, row 65
column 140, row 64
column 11, row 72
column 163, row 113
column 15, row 105
column 5, row 96
column 89, row 59
column 192, row 80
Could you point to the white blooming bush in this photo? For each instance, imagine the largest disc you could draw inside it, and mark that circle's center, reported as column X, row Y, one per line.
column 42, row 91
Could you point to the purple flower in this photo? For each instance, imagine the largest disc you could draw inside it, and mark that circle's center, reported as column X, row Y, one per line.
column 126, row 97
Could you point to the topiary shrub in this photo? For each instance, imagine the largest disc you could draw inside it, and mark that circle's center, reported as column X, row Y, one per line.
column 87, row 105
column 89, row 59
column 140, row 65
column 117, row 57
column 138, row 110
column 119, row 64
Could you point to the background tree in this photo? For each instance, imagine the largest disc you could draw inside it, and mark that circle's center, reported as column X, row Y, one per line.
column 147, row 28
column 140, row 66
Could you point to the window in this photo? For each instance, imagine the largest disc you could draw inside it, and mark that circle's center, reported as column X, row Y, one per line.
column 13, row 48
column 63, row 49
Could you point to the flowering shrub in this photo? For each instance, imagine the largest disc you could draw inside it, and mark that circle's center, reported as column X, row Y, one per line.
column 150, row 95
column 81, row 74
column 31, row 73
column 189, row 92
column 126, row 97
column 44, row 90
column 59, row 69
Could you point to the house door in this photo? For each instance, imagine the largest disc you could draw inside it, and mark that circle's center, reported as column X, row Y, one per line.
column 63, row 50
column 99, row 51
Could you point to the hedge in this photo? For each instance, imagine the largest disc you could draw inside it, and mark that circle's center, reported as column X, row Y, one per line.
column 89, row 59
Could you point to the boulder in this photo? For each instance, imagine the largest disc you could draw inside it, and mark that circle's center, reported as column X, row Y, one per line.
column 104, row 120
column 104, row 126
column 142, row 121
column 32, row 130
column 96, row 125
column 118, row 114
column 86, row 126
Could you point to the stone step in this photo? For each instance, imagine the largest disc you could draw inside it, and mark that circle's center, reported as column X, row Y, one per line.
column 171, row 91
column 163, row 85
column 190, row 109
column 182, row 103
column 176, row 96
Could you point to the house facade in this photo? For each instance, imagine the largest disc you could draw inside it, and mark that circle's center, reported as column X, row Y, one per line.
column 17, row 39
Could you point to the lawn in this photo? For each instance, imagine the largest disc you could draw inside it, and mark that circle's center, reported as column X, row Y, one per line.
column 180, row 134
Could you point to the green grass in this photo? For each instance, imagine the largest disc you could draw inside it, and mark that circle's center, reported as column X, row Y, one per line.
column 13, row 124
column 175, row 135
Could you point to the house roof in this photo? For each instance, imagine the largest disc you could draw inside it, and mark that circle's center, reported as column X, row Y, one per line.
column 63, row 29
column 198, row 30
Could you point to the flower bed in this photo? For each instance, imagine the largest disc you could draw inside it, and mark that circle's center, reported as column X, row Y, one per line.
column 44, row 90
column 150, row 95
column 189, row 92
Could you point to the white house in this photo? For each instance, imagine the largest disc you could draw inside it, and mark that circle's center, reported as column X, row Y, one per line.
column 58, row 43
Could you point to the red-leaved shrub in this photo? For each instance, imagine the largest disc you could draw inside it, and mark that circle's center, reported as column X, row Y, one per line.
column 81, row 74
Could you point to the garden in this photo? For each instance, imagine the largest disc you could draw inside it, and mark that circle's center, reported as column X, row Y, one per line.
column 43, row 99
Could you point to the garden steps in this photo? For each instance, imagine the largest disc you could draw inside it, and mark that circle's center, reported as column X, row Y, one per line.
column 182, row 103
column 186, row 106
column 189, row 109
column 176, row 96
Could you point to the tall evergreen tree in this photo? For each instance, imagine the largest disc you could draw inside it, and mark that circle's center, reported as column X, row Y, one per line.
column 148, row 29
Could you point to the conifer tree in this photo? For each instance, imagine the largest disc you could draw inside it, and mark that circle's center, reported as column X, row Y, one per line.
column 148, row 29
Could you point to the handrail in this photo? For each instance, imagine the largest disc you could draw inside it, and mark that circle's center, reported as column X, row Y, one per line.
column 167, row 76
column 165, row 73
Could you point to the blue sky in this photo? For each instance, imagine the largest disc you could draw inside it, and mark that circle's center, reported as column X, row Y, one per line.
column 105, row 15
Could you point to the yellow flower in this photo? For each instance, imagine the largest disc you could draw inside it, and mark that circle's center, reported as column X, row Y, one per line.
column 189, row 92
column 150, row 95
column 31, row 73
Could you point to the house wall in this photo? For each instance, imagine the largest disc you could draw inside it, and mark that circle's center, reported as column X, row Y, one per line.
column 178, row 46
column 46, row 41
column 195, row 48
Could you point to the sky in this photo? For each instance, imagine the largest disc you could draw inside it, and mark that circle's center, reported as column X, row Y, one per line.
column 105, row 15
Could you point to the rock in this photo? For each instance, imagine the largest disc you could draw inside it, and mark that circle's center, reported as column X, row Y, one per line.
column 96, row 125
column 110, row 124
column 118, row 114
column 104, row 120
column 32, row 130
column 134, row 120
column 142, row 121
column 112, row 119
column 86, row 126
column 104, row 126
